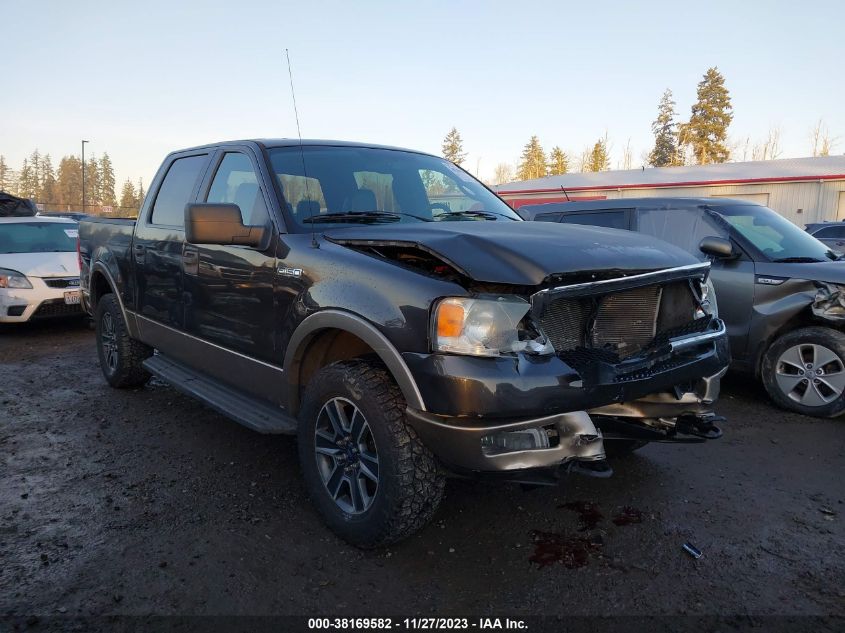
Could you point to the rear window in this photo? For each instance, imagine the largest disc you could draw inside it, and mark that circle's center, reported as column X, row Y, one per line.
column 175, row 192
column 38, row 237
column 830, row 232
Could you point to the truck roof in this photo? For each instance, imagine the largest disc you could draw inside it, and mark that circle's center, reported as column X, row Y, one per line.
column 270, row 143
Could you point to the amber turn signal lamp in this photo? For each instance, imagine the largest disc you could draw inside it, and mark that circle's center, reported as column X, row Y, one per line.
column 450, row 320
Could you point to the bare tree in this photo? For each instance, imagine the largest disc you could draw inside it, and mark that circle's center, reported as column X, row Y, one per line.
column 502, row 174
column 769, row 148
column 822, row 142
column 627, row 156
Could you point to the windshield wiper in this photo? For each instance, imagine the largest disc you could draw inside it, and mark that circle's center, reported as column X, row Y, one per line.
column 489, row 215
column 797, row 260
column 361, row 216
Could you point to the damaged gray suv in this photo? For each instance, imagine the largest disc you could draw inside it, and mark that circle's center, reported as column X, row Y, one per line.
column 780, row 290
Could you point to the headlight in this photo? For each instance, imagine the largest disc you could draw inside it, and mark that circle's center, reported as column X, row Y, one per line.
column 707, row 296
column 13, row 279
column 480, row 327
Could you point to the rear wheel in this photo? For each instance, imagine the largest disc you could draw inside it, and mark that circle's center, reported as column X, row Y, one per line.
column 120, row 355
column 367, row 472
column 804, row 371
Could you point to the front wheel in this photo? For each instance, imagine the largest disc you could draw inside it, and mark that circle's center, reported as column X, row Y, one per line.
column 121, row 356
column 366, row 471
column 804, row 371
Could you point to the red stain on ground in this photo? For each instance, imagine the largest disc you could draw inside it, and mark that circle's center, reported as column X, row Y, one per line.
column 588, row 511
column 571, row 552
column 627, row 516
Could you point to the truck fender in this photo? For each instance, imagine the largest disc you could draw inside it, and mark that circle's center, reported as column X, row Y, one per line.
column 129, row 318
column 367, row 332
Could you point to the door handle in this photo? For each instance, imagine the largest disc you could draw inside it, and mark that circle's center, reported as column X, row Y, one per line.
column 139, row 252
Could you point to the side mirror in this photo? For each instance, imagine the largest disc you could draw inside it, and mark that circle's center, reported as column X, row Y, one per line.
column 219, row 223
column 717, row 247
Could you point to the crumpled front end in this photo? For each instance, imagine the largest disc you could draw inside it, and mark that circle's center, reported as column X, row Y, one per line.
column 637, row 349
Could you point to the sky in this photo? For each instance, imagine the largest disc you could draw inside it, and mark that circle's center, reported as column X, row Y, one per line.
column 140, row 79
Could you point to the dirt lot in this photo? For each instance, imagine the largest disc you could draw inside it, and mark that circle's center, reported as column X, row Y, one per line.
column 145, row 502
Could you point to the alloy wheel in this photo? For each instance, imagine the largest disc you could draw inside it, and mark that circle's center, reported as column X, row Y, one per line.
column 810, row 374
column 347, row 458
column 108, row 340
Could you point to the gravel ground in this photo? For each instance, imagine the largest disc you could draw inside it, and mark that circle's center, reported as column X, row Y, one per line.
column 145, row 502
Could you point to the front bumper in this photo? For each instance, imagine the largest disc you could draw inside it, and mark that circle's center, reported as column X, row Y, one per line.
column 470, row 400
column 18, row 305
column 524, row 386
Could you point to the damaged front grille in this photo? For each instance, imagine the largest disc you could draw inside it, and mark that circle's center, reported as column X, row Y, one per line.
column 620, row 324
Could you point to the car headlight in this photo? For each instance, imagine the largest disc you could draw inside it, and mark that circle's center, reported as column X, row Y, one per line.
column 483, row 327
column 707, row 297
column 13, row 279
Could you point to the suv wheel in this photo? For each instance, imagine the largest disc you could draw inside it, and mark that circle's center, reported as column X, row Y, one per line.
column 366, row 471
column 120, row 355
column 804, row 371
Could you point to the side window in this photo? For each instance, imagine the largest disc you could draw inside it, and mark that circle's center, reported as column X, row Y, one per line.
column 830, row 232
column 236, row 183
column 682, row 227
column 176, row 189
column 609, row 219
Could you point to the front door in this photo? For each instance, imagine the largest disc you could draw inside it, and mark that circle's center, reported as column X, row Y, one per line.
column 230, row 288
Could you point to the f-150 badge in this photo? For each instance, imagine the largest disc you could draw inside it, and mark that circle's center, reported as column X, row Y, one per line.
column 290, row 272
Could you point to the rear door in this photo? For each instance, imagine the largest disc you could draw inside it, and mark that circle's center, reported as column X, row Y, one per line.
column 733, row 279
column 157, row 246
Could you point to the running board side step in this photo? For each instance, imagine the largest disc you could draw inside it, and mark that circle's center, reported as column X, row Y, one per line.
column 240, row 407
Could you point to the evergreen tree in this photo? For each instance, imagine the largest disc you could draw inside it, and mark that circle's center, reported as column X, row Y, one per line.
column 665, row 152
column 558, row 162
column 140, row 194
column 35, row 164
column 533, row 162
column 107, row 195
column 6, row 177
column 49, row 186
column 599, row 159
column 712, row 113
column 92, row 182
column 453, row 147
column 128, row 198
column 27, row 181
column 70, row 183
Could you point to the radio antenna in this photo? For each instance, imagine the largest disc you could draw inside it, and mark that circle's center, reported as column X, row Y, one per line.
column 314, row 242
column 564, row 193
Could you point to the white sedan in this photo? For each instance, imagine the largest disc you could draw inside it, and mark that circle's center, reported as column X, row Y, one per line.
column 39, row 269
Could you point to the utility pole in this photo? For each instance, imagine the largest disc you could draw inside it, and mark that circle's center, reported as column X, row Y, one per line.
column 83, row 176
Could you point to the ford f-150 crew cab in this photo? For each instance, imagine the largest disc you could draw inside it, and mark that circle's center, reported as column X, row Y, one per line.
column 401, row 320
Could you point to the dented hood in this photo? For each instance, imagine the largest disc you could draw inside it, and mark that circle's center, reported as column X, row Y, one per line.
column 522, row 253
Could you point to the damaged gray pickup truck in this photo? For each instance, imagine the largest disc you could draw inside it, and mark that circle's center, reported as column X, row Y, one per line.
column 402, row 321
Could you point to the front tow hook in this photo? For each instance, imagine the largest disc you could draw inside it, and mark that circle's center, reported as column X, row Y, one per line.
column 703, row 426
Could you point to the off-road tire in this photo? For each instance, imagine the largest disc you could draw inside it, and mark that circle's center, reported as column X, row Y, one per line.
column 615, row 449
column 410, row 484
column 832, row 339
column 127, row 371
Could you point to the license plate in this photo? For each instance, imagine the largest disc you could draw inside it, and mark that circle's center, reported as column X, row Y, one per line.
column 72, row 297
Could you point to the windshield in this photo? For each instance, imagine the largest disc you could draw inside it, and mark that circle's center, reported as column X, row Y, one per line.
column 773, row 235
column 379, row 186
column 38, row 237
